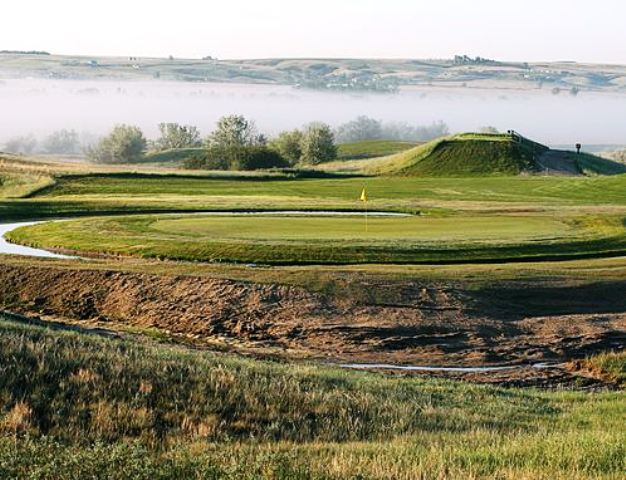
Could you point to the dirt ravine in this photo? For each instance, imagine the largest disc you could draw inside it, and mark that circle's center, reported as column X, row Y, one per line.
column 428, row 324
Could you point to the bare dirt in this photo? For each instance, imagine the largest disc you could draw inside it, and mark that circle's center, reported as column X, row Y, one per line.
column 427, row 324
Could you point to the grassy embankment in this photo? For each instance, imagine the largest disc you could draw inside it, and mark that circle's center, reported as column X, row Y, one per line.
column 372, row 149
column 77, row 405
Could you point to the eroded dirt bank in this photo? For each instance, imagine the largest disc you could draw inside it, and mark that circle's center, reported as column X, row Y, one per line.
column 428, row 324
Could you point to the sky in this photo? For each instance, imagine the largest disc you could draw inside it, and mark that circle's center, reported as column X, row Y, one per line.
column 528, row 30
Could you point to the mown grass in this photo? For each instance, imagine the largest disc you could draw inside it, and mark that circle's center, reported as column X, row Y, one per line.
column 372, row 149
column 76, row 405
column 323, row 240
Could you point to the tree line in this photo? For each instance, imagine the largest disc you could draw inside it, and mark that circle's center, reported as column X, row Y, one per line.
column 234, row 144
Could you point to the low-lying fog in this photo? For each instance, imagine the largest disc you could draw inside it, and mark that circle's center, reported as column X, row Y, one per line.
column 42, row 106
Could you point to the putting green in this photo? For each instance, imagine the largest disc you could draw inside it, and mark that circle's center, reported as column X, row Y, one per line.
column 336, row 240
column 358, row 228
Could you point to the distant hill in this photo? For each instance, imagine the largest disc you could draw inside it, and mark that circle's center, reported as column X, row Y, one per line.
column 472, row 154
column 376, row 75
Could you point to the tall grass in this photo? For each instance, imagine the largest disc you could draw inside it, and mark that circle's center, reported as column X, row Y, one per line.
column 75, row 405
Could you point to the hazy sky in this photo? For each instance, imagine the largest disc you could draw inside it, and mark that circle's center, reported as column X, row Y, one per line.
column 582, row 30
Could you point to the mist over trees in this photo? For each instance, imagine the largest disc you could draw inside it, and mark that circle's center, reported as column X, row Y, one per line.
column 62, row 142
column 366, row 128
column 24, row 144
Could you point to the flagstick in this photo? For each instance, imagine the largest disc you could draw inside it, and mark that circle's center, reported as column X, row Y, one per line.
column 366, row 217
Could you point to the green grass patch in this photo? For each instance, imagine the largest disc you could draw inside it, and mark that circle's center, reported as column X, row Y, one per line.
column 371, row 149
column 338, row 240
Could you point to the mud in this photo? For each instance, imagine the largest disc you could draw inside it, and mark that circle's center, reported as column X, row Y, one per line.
column 427, row 324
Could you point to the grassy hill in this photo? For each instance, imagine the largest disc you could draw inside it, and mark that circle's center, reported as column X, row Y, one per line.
column 466, row 154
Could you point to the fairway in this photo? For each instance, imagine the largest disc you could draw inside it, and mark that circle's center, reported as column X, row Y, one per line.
column 311, row 239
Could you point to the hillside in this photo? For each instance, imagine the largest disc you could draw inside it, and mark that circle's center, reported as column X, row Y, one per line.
column 383, row 75
column 472, row 154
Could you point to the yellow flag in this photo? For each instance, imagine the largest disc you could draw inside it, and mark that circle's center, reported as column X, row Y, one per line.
column 364, row 195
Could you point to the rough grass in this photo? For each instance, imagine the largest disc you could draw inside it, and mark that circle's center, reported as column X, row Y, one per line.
column 323, row 240
column 75, row 406
column 609, row 364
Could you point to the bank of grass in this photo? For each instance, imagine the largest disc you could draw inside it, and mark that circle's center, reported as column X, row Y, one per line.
column 175, row 156
column 76, row 405
column 372, row 149
column 288, row 240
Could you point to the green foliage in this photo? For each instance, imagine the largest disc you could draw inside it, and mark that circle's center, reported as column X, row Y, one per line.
column 234, row 131
column 289, row 145
column 318, row 144
column 125, row 144
column 175, row 136
column 246, row 157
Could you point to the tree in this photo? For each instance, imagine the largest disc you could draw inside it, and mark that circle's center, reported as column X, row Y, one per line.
column 174, row 135
column 289, row 145
column 235, row 131
column 359, row 129
column 232, row 135
column 125, row 143
column 25, row 144
column 62, row 141
column 489, row 129
column 318, row 144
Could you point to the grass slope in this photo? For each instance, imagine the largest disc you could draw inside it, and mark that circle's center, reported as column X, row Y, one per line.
column 593, row 165
column 372, row 149
column 74, row 406
column 174, row 156
column 464, row 155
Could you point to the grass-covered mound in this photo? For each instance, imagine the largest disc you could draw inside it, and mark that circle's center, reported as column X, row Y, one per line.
column 465, row 155
column 74, row 405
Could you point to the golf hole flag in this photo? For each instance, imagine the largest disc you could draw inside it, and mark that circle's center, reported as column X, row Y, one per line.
column 364, row 195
